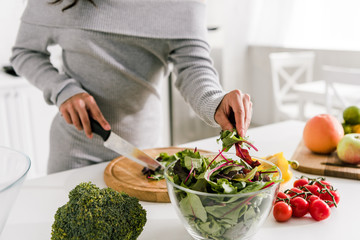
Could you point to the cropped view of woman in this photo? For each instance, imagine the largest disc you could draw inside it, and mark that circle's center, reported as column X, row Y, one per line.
column 115, row 54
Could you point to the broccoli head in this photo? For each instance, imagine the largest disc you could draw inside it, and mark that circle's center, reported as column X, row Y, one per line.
column 94, row 213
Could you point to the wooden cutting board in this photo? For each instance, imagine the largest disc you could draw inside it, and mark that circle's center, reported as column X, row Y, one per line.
column 125, row 175
column 324, row 165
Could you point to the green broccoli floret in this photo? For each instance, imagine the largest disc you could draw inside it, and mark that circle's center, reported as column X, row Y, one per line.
column 94, row 213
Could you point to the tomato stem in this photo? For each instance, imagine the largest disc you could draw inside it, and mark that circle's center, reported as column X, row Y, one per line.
column 331, row 195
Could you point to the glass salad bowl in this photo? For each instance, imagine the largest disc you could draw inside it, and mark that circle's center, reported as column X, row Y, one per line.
column 219, row 209
column 14, row 167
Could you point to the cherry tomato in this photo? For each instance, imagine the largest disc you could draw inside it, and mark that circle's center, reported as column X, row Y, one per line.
column 313, row 189
column 319, row 210
column 281, row 195
column 282, row 212
column 293, row 191
column 300, row 182
column 299, row 206
column 322, row 182
column 312, row 198
column 326, row 196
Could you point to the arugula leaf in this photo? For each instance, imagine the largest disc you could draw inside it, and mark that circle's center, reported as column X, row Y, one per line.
column 187, row 152
column 165, row 159
column 248, row 177
column 253, row 186
column 211, row 228
column 229, row 138
column 201, row 184
column 226, row 186
column 235, row 168
column 234, row 213
column 191, row 206
column 156, row 176
column 181, row 172
column 195, row 163
column 250, row 214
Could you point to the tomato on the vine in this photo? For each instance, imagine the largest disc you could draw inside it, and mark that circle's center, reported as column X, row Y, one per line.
column 312, row 198
column 308, row 195
column 300, row 182
column 319, row 210
column 299, row 206
column 312, row 188
column 293, row 191
column 280, row 196
column 282, row 212
column 322, row 183
column 326, row 196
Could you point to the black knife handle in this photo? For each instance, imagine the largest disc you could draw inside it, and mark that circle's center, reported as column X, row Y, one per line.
column 96, row 128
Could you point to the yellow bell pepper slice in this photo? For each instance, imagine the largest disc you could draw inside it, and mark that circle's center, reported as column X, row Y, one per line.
column 279, row 160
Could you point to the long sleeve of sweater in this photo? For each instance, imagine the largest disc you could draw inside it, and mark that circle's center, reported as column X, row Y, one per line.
column 32, row 59
column 197, row 80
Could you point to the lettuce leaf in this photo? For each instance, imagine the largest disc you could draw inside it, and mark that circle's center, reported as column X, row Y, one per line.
column 191, row 206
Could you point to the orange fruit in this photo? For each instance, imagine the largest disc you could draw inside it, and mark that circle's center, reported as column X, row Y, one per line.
column 356, row 128
column 322, row 133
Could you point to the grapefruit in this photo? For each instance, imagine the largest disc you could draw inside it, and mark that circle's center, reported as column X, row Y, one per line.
column 322, row 133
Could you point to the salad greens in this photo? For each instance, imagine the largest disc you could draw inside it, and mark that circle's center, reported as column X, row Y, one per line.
column 231, row 138
column 165, row 159
column 219, row 215
column 228, row 139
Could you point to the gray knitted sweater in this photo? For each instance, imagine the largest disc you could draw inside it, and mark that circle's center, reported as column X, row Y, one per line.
column 118, row 52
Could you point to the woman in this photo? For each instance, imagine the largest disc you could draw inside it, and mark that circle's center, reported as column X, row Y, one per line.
column 115, row 53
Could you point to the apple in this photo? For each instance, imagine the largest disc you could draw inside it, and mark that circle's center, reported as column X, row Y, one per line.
column 348, row 149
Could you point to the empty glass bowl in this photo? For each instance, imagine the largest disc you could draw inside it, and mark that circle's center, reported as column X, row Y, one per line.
column 14, row 167
column 221, row 216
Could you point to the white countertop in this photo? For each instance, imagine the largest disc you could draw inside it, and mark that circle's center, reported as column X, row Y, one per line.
column 32, row 214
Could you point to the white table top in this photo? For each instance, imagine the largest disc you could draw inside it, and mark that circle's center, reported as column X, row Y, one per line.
column 33, row 211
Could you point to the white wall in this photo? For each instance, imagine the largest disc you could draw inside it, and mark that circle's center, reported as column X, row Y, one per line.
column 233, row 17
column 319, row 24
column 10, row 13
column 237, row 29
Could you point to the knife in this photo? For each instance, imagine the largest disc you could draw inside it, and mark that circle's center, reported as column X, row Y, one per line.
column 123, row 147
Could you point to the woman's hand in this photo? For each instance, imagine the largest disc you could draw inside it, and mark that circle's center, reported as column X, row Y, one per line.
column 234, row 111
column 77, row 110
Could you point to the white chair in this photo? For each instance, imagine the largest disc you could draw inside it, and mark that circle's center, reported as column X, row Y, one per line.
column 342, row 88
column 287, row 70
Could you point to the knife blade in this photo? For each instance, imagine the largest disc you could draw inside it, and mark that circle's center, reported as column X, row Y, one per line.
column 118, row 144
